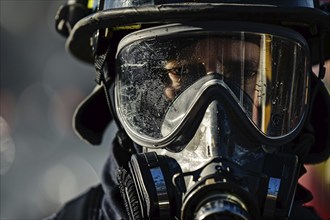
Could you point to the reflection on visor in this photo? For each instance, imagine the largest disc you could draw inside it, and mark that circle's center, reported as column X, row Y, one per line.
column 266, row 74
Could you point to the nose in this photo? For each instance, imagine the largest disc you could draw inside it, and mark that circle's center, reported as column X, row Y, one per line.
column 212, row 66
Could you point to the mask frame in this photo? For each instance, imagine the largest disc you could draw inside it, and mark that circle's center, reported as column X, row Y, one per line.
column 211, row 26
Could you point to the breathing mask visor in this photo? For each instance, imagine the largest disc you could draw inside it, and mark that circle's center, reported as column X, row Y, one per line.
column 168, row 76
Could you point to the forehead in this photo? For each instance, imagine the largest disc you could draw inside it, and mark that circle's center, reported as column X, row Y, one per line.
column 223, row 48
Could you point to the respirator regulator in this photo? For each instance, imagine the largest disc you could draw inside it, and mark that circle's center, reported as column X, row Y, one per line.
column 212, row 108
column 156, row 189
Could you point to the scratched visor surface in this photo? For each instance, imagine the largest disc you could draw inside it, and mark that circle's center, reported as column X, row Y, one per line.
column 265, row 73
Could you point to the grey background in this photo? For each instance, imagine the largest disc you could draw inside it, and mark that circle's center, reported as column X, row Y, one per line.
column 43, row 162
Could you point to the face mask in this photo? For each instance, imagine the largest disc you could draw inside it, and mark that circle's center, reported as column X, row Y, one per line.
column 212, row 107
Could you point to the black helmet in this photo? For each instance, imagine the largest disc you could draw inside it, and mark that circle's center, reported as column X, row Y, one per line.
column 84, row 20
column 94, row 28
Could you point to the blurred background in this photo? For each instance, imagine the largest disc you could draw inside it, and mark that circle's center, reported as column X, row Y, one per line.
column 43, row 163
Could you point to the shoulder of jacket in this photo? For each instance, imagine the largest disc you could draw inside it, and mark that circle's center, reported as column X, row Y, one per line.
column 87, row 206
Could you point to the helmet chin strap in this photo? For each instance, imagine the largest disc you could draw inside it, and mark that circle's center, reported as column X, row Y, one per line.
column 103, row 74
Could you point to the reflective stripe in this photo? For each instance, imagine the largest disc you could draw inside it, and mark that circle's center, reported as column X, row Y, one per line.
column 128, row 27
column 91, row 4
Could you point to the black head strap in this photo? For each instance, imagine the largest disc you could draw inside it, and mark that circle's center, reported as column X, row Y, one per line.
column 318, row 122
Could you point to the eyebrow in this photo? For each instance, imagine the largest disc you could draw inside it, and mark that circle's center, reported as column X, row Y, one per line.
column 249, row 63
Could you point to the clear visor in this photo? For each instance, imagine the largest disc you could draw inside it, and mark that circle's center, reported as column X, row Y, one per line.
column 266, row 75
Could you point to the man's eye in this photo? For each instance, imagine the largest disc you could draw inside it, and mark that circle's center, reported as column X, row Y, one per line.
column 172, row 71
column 250, row 73
column 193, row 70
column 182, row 70
column 175, row 71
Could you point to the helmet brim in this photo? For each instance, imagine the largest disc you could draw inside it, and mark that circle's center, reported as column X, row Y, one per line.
column 78, row 42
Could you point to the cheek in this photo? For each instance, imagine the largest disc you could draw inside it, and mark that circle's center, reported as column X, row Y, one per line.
column 170, row 93
column 175, row 80
column 250, row 86
column 173, row 87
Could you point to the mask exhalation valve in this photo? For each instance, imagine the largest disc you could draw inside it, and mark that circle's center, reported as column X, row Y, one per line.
column 222, row 207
